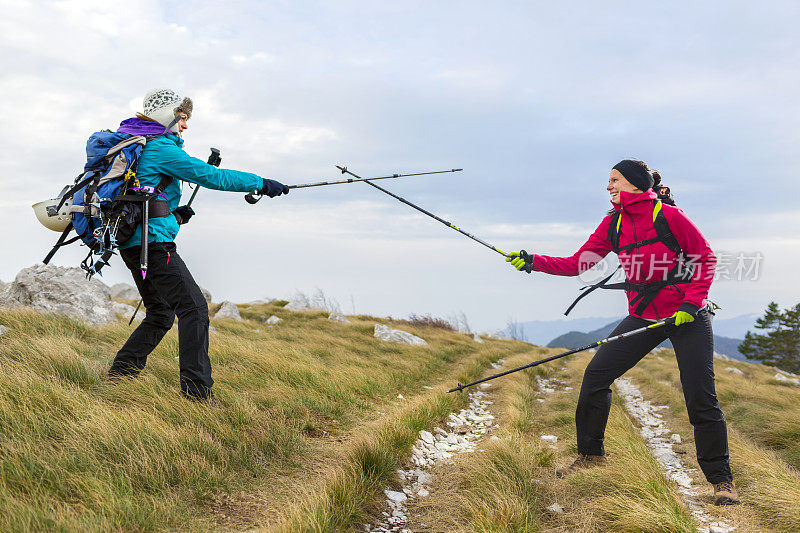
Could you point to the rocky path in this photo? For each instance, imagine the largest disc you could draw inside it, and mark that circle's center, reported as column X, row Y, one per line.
column 462, row 433
column 660, row 440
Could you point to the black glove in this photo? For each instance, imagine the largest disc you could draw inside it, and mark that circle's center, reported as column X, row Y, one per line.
column 183, row 214
column 273, row 188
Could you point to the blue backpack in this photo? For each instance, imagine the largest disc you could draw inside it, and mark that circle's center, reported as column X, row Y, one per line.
column 107, row 200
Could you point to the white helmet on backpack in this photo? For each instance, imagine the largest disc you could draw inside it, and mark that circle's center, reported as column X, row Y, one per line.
column 56, row 220
column 161, row 105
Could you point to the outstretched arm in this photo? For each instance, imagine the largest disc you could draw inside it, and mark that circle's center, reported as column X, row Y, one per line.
column 178, row 164
column 593, row 250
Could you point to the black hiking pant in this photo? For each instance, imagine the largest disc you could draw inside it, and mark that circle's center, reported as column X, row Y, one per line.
column 168, row 291
column 694, row 350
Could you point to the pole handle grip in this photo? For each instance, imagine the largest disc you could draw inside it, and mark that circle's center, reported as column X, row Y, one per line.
column 252, row 197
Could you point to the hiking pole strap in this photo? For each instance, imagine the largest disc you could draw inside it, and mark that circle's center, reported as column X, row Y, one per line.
column 587, row 290
column 601, row 342
column 421, row 210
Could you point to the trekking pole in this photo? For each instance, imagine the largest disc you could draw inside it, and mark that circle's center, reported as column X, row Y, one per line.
column 418, row 208
column 135, row 311
column 213, row 159
column 254, row 197
column 665, row 322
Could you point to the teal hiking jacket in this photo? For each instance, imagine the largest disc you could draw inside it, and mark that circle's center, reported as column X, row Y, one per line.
column 164, row 156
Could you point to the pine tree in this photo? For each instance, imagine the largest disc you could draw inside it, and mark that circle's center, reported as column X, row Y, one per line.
column 779, row 346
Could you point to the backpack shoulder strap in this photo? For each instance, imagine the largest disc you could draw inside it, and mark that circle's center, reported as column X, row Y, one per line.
column 662, row 229
column 613, row 231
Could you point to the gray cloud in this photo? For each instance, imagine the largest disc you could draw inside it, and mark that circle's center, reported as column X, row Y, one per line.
column 535, row 101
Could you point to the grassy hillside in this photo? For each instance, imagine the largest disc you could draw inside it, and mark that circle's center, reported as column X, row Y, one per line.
column 314, row 417
column 80, row 454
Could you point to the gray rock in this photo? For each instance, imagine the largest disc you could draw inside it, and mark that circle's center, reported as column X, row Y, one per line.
column 60, row 290
column 124, row 291
column 206, row 294
column 734, row 370
column 477, row 338
column 125, row 311
column 301, row 305
column 499, row 335
column 336, row 316
column 784, row 379
column 228, row 310
column 273, row 320
column 4, row 329
column 385, row 333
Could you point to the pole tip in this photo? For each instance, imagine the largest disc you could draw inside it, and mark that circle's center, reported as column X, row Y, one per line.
column 459, row 388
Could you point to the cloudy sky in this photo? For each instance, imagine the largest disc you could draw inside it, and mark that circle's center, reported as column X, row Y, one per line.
column 535, row 100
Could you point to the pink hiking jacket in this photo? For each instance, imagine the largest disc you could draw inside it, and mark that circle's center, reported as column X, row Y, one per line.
column 650, row 262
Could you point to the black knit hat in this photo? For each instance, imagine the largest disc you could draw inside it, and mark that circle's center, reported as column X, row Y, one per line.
column 636, row 173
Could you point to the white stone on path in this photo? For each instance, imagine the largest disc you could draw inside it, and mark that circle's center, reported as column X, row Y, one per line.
column 552, row 439
column 228, row 310
column 734, row 370
column 4, row 329
column 426, row 436
column 273, row 320
column 675, row 438
column 385, row 333
column 395, row 496
column 556, row 508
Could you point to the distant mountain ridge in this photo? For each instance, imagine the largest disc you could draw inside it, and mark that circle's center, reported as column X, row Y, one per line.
column 576, row 339
column 728, row 331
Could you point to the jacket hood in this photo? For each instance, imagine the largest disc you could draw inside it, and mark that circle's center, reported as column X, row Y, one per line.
column 138, row 126
column 632, row 201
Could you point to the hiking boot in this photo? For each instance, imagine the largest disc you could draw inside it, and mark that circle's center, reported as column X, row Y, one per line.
column 582, row 462
column 725, row 493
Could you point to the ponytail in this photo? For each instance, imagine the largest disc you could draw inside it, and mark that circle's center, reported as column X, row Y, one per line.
column 664, row 193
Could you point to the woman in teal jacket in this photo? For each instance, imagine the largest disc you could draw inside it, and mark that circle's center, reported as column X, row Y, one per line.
column 167, row 288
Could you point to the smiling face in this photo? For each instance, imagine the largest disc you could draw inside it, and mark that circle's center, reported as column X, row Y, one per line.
column 617, row 183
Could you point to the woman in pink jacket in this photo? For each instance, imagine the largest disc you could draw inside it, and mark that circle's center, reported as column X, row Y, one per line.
column 669, row 267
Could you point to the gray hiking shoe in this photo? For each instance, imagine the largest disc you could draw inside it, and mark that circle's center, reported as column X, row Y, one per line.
column 582, row 462
column 725, row 493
